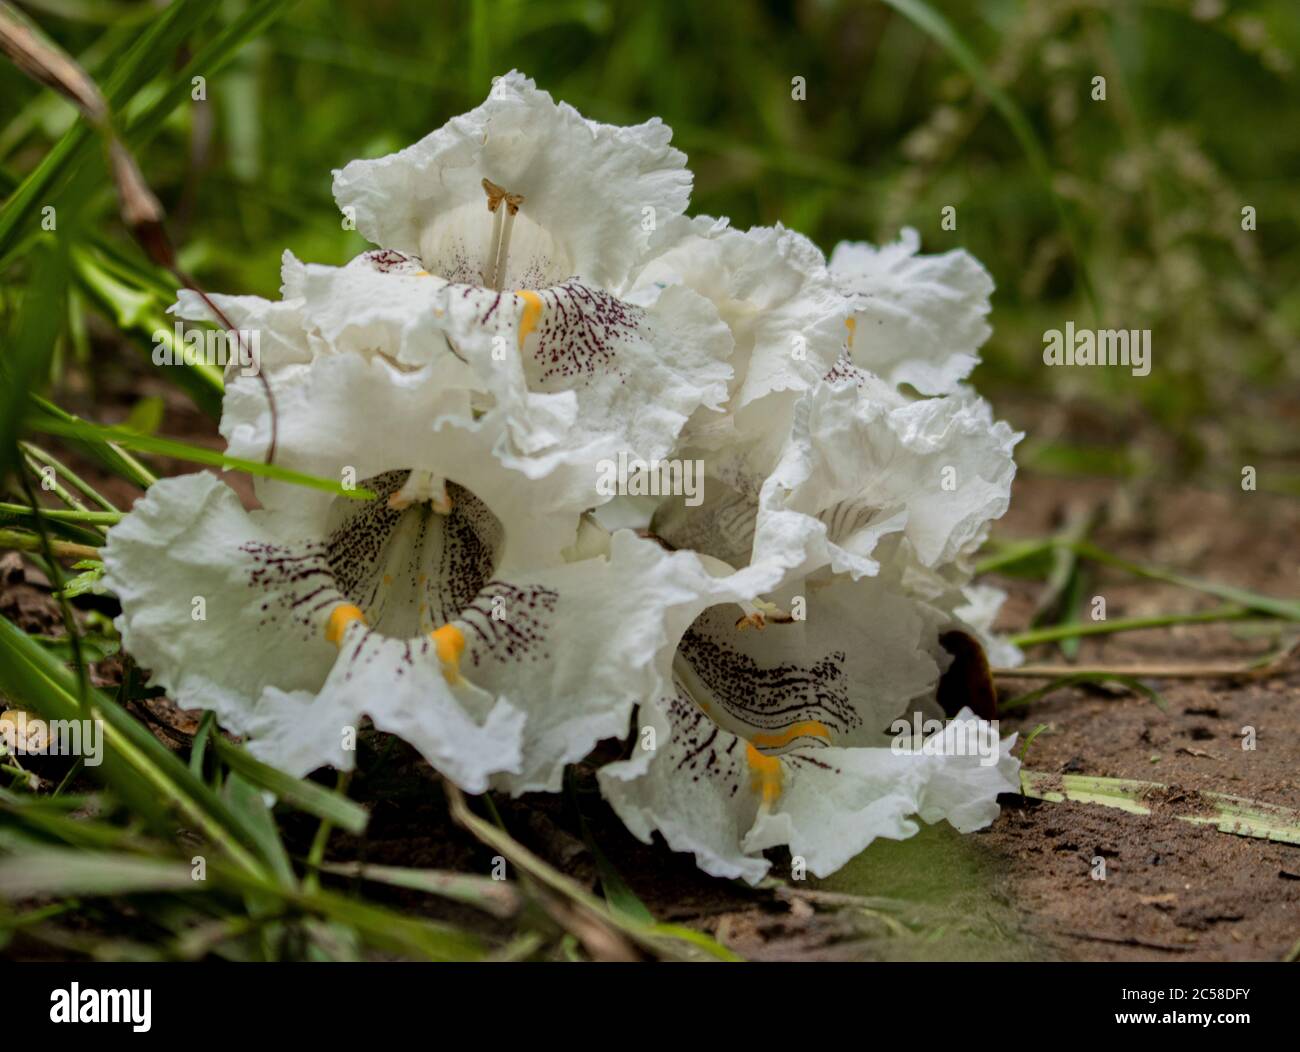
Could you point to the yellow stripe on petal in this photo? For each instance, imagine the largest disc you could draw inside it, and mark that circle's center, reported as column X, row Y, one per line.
column 802, row 729
column 449, row 644
column 764, row 774
column 852, row 324
column 532, row 312
column 340, row 617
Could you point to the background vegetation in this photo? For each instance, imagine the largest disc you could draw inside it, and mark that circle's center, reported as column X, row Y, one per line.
column 982, row 105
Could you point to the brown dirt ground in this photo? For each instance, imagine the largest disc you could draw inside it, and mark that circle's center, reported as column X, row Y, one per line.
column 1021, row 889
column 1172, row 890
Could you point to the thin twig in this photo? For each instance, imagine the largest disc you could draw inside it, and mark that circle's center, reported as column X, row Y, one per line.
column 1248, row 671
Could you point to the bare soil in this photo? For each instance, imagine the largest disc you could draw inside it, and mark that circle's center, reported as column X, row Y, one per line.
column 1172, row 890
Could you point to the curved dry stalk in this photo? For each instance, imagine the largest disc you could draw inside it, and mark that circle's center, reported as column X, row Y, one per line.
column 1272, row 665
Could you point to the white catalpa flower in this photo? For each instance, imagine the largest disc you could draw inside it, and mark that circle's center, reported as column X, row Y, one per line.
column 777, row 728
column 870, row 503
column 781, row 735
column 776, row 731
column 510, row 240
column 442, row 610
column 538, row 303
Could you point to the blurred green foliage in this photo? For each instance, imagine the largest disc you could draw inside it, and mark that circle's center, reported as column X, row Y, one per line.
column 1198, row 122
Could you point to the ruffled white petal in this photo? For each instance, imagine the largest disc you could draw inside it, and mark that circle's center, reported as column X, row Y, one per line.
column 271, row 331
column 976, row 612
column 689, row 781
column 837, row 801
column 399, row 685
column 703, row 789
column 347, row 416
column 568, row 367
column 771, row 287
column 937, row 470
column 181, row 564
column 592, row 193
column 578, row 646
column 917, row 319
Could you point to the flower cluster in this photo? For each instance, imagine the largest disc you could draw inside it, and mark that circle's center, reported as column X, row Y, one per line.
column 539, row 306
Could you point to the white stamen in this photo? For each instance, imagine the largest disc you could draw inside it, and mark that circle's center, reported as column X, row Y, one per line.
column 490, row 275
column 499, row 247
column 500, row 266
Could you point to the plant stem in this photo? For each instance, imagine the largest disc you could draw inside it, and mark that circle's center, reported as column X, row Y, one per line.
column 93, row 518
column 22, row 541
column 70, row 499
column 62, row 469
column 311, row 882
column 1129, row 624
column 1250, row 670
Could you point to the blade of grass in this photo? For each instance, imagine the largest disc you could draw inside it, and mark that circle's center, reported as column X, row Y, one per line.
column 298, row 792
column 169, row 447
column 25, row 363
column 61, row 871
column 939, row 29
column 1009, row 555
column 620, row 897
column 20, row 540
column 208, row 60
column 1266, row 604
column 94, row 518
column 381, row 927
column 66, row 473
column 136, row 765
column 128, row 71
column 500, row 898
column 652, row 938
column 1129, row 624
column 142, row 314
column 1074, row 679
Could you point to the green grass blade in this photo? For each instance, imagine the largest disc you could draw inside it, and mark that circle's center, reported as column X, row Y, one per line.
column 78, row 871
column 297, row 792
column 138, row 767
column 939, row 29
column 1134, row 684
column 497, row 897
column 25, row 363
column 127, row 73
column 106, row 453
column 170, row 447
column 1257, row 601
column 208, row 60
